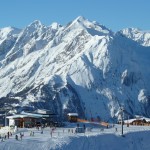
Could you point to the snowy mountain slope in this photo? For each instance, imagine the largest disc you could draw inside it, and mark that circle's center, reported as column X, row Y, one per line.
column 142, row 37
column 81, row 67
column 8, row 37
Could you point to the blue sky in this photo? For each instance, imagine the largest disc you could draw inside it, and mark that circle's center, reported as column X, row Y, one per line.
column 114, row 14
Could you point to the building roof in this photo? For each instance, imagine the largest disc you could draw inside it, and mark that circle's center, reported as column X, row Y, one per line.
column 141, row 118
column 25, row 115
column 34, row 115
column 16, row 116
column 72, row 114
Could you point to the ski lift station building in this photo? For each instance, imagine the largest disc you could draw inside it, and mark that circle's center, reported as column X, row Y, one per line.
column 28, row 119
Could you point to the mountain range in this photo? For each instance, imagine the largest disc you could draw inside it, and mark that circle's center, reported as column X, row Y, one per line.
column 81, row 67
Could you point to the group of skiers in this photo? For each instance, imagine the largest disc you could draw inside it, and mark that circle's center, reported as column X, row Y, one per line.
column 5, row 136
column 32, row 133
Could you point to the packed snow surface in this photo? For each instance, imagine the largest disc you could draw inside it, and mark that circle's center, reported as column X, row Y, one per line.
column 135, row 138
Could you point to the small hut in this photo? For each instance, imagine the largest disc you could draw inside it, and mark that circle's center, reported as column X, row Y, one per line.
column 72, row 117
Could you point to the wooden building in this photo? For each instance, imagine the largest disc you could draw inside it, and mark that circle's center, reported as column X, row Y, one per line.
column 138, row 121
column 72, row 117
column 35, row 118
column 25, row 120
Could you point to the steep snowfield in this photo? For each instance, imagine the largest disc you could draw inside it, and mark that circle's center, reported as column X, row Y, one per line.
column 81, row 67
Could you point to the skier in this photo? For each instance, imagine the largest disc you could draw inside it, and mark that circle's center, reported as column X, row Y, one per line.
column 32, row 133
column 5, row 137
column 51, row 133
column 8, row 135
column 41, row 131
column 84, row 127
column 116, row 129
column 21, row 136
column 16, row 137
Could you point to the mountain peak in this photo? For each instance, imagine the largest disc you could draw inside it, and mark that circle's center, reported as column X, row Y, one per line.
column 55, row 26
column 8, row 29
column 93, row 28
column 80, row 18
column 35, row 24
column 4, row 32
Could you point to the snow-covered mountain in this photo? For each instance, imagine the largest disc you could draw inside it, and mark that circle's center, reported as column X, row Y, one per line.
column 82, row 67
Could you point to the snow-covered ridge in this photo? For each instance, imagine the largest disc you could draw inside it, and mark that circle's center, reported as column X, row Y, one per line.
column 7, row 32
column 142, row 37
column 81, row 67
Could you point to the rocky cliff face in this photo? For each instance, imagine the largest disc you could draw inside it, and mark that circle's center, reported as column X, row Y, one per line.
column 81, row 67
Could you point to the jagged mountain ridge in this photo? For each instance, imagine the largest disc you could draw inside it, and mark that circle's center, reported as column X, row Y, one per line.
column 142, row 37
column 81, row 67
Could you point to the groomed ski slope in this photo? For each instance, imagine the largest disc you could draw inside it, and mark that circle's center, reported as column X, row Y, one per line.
column 135, row 138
